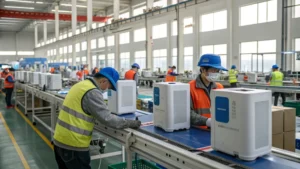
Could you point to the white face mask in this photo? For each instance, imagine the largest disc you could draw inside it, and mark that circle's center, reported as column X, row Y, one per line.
column 212, row 77
column 103, row 91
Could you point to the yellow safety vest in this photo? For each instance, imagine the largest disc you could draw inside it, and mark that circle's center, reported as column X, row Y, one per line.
column 232, row 76
column 74, row 127
column 277, row 79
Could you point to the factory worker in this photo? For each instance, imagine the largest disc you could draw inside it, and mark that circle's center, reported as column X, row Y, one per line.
column 276, row 79
column 9, row 87
column 233, row 74
column 96, row 70
column 132, row 74
column 171, row 75
column 80, row 74
column 86, row 71
column 82, row 106
column 200, row 88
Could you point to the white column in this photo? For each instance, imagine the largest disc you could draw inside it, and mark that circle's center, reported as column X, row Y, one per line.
column 150, row 3
column 117, row 52
column 74, row 26
column 57, row 31
column 35, row 34
column 45, row 32
column 116, row 9
column 89, row 27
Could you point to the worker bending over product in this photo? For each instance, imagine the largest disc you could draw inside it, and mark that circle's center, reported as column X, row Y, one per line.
column 233, row 74
column 132, row 74
column 9, row 87
column 210, row 65
column 171, row 75
column 276, row 79
column 82, row 106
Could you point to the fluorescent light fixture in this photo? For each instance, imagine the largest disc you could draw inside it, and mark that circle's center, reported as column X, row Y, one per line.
column 8, row 52
column 39, row 2
column 25, row 53
column 18, row 7
column 70, row 5
column 21, row 1
column 62, row 11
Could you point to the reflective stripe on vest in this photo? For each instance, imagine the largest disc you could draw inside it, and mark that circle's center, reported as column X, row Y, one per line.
column 169, row 77
column 232, row 76
column 129, row 75
column 7, row 84
column 74, row 127
column 277, row 79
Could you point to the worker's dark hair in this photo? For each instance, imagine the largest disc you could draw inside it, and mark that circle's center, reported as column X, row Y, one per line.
column 204, row 67
column 174, row 67
column 133, row 67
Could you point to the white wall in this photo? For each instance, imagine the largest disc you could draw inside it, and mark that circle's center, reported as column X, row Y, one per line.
column 232, row 36
column 10, row 41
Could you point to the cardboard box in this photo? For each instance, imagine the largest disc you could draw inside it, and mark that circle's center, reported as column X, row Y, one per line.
column 277, row 140
column 289, row 118
column 277, row 121
column 289, row 141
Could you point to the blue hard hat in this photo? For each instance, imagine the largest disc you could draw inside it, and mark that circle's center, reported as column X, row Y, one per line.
column 136, row 65
column 112, row 75
column 275, row 67
column 233, row 67
column 211, row 60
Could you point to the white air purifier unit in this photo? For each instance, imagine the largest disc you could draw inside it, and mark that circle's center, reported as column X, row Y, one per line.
column 123, row 100
column 252, row 77
column 21, row 76
column 17, row 75
column 146, row 73
column 43, row 79
column 26, row 76
column 54, row 82
column 171, row 106
column 34, row 78
column 241, row 122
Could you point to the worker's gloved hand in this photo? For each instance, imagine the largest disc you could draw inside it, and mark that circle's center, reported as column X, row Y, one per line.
column 135, row 124
column 208, row 122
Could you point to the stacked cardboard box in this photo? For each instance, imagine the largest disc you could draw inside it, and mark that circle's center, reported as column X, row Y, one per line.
column 139, row 104
column 283, row 128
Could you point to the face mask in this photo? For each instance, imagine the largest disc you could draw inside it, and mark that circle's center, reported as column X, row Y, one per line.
column 212, row 76
column 103, row 91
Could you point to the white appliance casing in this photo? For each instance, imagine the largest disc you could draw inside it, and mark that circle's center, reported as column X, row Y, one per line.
column 54, row 82
column 171, row 106
column 43, row 79
column 241, row 122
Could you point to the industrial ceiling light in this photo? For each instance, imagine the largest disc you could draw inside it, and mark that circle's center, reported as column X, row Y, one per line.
column 21, row 1
column 39, row 2
column 18, row 7
column 70, row 5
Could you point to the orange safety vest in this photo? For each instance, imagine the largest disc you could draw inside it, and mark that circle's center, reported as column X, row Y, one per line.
column 86, row 72
column 52, row 70
column 7, row 84
column 79, row 74
column 129, row 75
column 169, row 77
column 200, row 99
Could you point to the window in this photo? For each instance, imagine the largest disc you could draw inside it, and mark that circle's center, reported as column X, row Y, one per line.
column 101, row 59
column 139, row 10
column 258, row 56
column 297, row 9
column 125, row 60
column 94, row 25
column 65, row 49
column 60, row 60
column 83, row 29
column 94, row 61
column 65, row 60
column 124, row 15
column 101, row 42
column 70, row 48
column 77, row 60
column 83, row 60
column 174, row 57
column 159, row 31
column 25, row 53
column 188, row 58
column 258, row 13
column 65, row 36
column 77, row 46
column 77, row 31
column 140, row 58
column 174, row 28
column 160, row 59
column 111, row 40
column 188, row 25
column 70, row 34
column 93, row 44
column 297, row 45
column 174, row 2
column 60, row 37
column 70, row 61
column 83, row 45
column 111, row 60
column 124, row 38
column 214, row 21
column 48, row 53
column 61, row 51
column 101, row 24
column 109, row 20
column 140, row 35
column 220, row 50
column 54, row 51
column 160, row 3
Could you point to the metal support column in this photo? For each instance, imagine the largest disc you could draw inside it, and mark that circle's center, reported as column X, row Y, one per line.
column 89, row 27
column 74, row 27
column 45, row 32
column 150, row 3
column 116, row 9
column 36, row 34
column 57, row 31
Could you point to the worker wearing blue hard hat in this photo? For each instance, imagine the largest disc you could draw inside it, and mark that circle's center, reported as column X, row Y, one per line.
column 232, row 76
column 276, row 79
column 132, row 74
column 82, row 106
column 200, row 88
